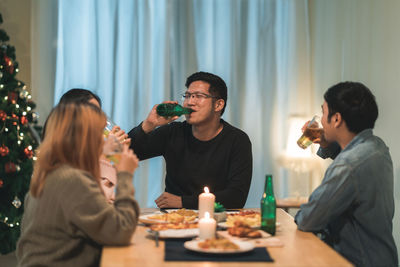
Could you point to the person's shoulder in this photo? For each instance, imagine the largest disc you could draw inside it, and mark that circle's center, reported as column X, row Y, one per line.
column 232, row 130
column 370, row 145
column 67, row 175
column 367, row 148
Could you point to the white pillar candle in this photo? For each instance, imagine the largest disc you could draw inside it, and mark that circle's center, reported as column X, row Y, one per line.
column 206, row 203
column 207, row 227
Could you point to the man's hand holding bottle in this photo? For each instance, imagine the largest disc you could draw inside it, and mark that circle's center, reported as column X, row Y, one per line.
column 154, row 120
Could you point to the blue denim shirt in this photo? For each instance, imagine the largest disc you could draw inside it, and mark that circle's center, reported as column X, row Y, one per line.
column 353, row 208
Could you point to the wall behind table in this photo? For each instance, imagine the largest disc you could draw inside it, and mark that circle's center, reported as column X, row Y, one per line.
column 359, row 40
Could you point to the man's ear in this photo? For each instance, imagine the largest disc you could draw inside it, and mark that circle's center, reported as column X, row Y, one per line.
column 219, row 104
column 337, row 119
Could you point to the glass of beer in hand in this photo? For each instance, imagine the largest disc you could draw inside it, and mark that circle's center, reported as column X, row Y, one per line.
column 112, row 148
column 312, row 132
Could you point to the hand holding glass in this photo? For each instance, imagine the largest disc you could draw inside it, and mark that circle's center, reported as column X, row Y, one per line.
column 112, row 148
column 312, row 132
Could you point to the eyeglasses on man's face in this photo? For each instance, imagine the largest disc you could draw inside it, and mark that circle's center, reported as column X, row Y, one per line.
column 196, row 96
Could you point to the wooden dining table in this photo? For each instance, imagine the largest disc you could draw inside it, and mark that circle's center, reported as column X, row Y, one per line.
column 299, row 249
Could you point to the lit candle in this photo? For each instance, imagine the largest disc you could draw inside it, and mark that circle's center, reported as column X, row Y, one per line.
column 206, row 203
column 207, row 227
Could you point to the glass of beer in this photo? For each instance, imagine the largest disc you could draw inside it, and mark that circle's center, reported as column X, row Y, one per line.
column 312, row 132
column 112, row 148
column 109, row 126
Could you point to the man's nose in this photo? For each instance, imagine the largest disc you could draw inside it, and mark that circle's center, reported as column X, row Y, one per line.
column 191, row 100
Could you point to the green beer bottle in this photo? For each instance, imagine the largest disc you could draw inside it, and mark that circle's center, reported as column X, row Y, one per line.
column 268, row 207
column 170, row 110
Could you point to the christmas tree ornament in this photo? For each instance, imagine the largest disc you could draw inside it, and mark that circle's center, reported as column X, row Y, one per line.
column 4, row 150
column 1, row 183
column 24, row 120
column 14, row 119
column 10, row 167
column 3, row 115
column 23, row 94
column 28, row 152
column 12, row 97
column 35, row 117
column 16, row 202
column 9, row 64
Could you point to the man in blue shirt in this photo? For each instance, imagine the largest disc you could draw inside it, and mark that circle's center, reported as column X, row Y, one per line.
column 353, row 208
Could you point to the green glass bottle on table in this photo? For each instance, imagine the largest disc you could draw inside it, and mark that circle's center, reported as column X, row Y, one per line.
column 171, row 110
column 268, row 207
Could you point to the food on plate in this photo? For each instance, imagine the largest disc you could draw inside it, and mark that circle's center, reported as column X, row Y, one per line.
column 178, row 216
column 250, row 218
column 241, row 229
column 167, row 226
column 220, row 243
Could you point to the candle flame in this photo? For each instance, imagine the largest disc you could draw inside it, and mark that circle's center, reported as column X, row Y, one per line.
column 207, row 215
column 206, row 190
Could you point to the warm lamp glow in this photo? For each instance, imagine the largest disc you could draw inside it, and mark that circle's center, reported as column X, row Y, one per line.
column 292, row 149
column 294, row 157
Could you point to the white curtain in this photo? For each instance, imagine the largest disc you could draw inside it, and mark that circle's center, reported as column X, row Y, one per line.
column 135, row 54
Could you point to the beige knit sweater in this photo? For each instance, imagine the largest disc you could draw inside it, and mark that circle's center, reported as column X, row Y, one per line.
column 71, row 220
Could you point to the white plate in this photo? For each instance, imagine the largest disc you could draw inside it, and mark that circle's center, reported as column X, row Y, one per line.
column 224, row 225
column 146, row 220
column 177, row 233
column 243, row 247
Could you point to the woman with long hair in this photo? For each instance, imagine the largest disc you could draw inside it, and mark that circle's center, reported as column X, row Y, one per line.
column 108, row 174
column 67, row 218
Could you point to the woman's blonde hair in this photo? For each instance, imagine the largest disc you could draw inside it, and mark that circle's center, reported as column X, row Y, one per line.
column 74, row 134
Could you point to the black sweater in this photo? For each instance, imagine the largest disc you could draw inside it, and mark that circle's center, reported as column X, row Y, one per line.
column 224, row 163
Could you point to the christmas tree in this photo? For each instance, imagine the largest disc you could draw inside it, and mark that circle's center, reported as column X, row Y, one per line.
column 18, row 141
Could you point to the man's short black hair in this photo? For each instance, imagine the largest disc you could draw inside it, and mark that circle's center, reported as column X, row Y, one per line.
column 356, row 104
column 217, row 85
column 78, row 95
